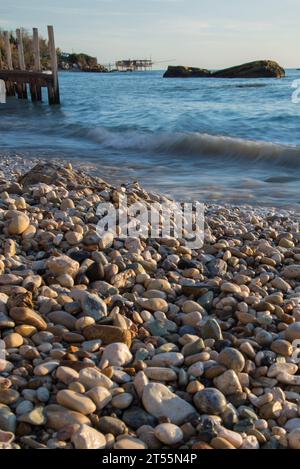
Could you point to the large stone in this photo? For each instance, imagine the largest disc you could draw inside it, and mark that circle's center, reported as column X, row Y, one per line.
column 8, row 420
column 19, row 299
column 206, row 300
column 75, row 401
column 91, row 377
column 18, row 223
column 217, row 267
column 256, row 69
column 24, row 407
column 282, row 347
column 291, row 272
column 35, row 417
column 10, row 279
column 88, row 438
column 136, row 417
column 108, row 334
column 95, row 272
column 159, row 401
column 190, row 306
column 111, row 425
column 210, row 401
column 129, row 442
column 62, row 265
column 280, row 284
column 196, row 369
column 93, row 306
column 178, row 71
column 45, row 368
column 23, row 315
column 153, row 304
column 6, row 438
column 159, row 373
column 234, row 438
column 161, row 328
column 294, row 439
column 13, row 340
column 117, row 354
column 106, row 240
column 100, row 396
column 63, row 319
column 232, row 358
column 53, row 173
column 124, row 279
column 168, row 433
column 192, row 348
column 59, row 417
column 228, row 383
column 167, row 359
column 122, row 400
column 293, row 332
column 158, row 284
column 210, row 329
column 8, row 396
column 292, row 424
column 66, row 375
column 229, row 287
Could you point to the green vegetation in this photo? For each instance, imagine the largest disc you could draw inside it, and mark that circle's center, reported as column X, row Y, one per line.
column 28, row 53
column 80, row 61
column 65, row 61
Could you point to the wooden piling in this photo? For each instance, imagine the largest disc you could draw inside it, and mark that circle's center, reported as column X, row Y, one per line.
column 8, row 50
column 17, row 80
column 21, row 87
column 53, row 90
column 10, row 89
column 36, row 49
column 35, row 89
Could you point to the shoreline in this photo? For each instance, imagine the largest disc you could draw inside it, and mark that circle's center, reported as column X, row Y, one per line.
column 13, row 164
column 143, row 343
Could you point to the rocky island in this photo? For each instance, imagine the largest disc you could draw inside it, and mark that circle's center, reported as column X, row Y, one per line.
column 257, row 69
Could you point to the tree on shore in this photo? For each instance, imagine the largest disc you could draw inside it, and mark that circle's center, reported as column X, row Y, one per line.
column 66, row 61
column 28, row 51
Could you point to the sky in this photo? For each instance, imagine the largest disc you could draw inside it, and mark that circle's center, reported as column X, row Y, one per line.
column 204, row 33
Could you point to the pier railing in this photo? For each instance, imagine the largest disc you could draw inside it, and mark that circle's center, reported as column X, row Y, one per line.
column 17, row 81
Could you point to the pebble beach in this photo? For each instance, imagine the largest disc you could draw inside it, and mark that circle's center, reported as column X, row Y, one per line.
column 143, row 343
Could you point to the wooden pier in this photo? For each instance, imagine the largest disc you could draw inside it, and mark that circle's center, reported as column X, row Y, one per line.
column 19, row 80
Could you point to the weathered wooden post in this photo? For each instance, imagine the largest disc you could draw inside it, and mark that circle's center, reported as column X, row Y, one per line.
column 53, row 89
column 10, row 89
column 17, row 80
column 35, row 88
column 8, row 50
column 21, row 87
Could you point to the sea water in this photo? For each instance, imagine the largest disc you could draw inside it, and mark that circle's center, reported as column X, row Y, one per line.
column 215, row 140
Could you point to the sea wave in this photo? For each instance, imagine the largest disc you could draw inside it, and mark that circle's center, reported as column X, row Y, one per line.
column 199, row 145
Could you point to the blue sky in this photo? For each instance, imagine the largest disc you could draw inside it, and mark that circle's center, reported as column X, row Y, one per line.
column 206, row 33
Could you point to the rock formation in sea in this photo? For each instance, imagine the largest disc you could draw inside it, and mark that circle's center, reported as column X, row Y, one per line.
column 257, row 69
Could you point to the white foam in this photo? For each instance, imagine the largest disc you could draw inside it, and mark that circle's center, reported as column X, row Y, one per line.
column 197, row 145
